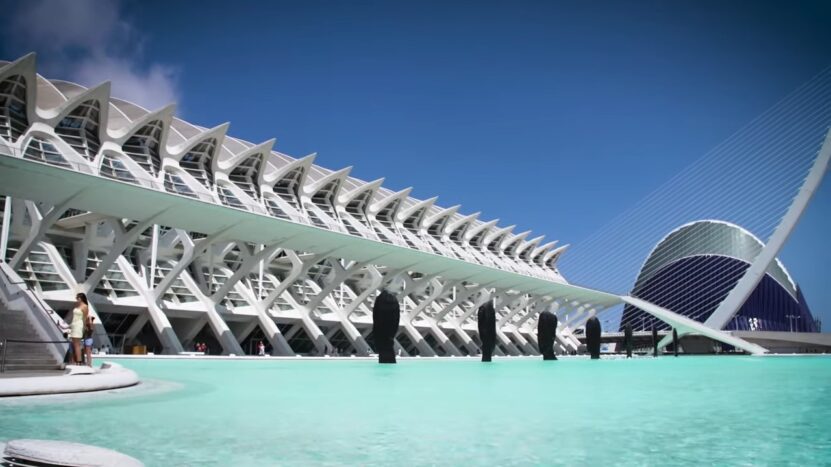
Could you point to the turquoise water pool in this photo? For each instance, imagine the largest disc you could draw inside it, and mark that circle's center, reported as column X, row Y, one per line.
column 665, row 411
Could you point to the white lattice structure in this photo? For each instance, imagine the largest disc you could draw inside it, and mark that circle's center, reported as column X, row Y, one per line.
column 180, row 233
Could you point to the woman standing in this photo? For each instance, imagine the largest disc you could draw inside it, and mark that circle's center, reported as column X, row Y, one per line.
column 80, row 317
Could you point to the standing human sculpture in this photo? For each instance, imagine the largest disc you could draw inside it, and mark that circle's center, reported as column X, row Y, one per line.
column 654, row 341
column 593, row 332
column 386, row 315
column 486, row 320
column 546, row 334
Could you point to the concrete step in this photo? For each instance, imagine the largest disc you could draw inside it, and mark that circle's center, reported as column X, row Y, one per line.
column 16, row 324
column 30, row 361
column 32, row 367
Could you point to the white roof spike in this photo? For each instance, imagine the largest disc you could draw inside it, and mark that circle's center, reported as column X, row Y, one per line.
column 476, row 229
column 227, row 165
column 371, row 186
column 24, row 66
column 27, row 61
column 403, row 215
column 446, row 212
column 217, row 132
column 165, row 114
column 527, row 247
column 555, row 252
column 382, row 203
column 495, row 233
column 529, row 243
column 313, row 187
column 455, row 225
column 101, row 93
column 514, row 239
column 543, row 248
column 269, row 179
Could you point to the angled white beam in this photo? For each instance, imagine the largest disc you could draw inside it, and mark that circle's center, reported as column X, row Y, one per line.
column 40, row 224
column 686, row 325
column 754, row 274
column 122, row 241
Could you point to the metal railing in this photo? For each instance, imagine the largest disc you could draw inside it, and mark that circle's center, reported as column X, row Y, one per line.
column 54, row 317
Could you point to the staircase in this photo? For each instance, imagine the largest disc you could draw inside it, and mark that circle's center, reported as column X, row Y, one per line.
column 23, row 316
column 20, row 356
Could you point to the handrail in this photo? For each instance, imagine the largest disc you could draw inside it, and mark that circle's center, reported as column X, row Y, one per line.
column 52, row 313
column 5, row 344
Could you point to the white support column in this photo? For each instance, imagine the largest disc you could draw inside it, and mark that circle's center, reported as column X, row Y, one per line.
column 192, row 250
column 154, row 256
column 40, row 224
column 315, row 334
column 376, row 278
column 4, row 236
column 527, row 348
column 244, row 269
column 457, row 324
column 158, row 318
column 506, row 302
column 137, row 326
column 441, row 337
column 192, row 329
column 247, row 329
column 349, row 329
column 461, row 296
column 63, row 270
column 122, row 241
column 279, row 343
column 220, row 328
column 406, row 325
column 417, row 339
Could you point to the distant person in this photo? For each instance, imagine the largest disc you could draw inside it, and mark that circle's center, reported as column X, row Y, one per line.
column 261, row 349
column 89, row 330
column 80, row 316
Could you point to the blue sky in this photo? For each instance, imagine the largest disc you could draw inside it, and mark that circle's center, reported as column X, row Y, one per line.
column 555, row 116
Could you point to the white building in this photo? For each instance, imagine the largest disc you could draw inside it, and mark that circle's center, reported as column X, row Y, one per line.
column 181, row 234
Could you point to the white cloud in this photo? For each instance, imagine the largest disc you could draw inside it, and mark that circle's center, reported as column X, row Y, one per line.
column 152, row 88
column 89, row 42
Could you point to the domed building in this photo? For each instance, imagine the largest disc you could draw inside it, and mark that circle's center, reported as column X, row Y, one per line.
column 691, row 271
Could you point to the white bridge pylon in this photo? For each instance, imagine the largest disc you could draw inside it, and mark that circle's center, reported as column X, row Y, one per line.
column 754, row 274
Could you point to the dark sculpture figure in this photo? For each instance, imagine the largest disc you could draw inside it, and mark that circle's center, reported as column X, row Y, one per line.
column 487, row 329
column 593, row 331
column 675, row 341
column 627, row 339
column 385, row 317
column 546, row 333
column 654, row 342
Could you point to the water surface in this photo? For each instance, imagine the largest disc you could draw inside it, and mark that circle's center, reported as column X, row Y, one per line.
column 664, row 411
